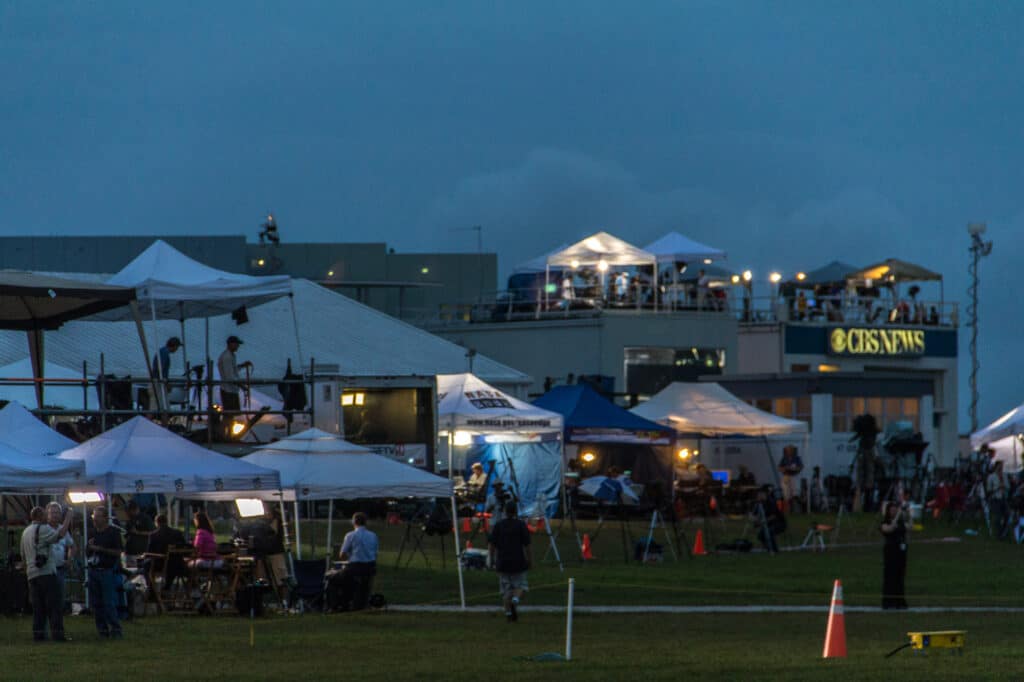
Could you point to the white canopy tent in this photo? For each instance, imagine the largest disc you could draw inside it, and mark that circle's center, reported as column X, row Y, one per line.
column 140, row 456
column 316, row 465
column 1004, row 437
column 174, row 286
column 64, row 387
column 20, row 429
column 602, row 250
column 21, row 472
column 709, row 410
column 674, row 247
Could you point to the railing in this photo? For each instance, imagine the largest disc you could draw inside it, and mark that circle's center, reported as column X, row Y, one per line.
column 185, row 401
column 846, row 310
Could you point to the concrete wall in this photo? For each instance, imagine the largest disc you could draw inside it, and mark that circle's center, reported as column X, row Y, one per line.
column 596, row 345
column 759, row 349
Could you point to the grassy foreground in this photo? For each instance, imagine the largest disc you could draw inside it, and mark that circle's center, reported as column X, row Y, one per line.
column 483, row 646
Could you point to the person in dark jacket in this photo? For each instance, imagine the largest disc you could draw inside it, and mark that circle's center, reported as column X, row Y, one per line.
column 511, row 556
column 894, row 555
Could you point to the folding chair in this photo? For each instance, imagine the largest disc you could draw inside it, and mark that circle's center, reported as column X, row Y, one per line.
column 172, row 585
column 308, row 590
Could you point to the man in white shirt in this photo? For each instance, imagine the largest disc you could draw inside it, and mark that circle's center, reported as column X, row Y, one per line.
column 227, row 366
column 36, row 543
column 350, row 589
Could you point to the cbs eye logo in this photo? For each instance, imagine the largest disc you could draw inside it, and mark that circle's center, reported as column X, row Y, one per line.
column 838, row 340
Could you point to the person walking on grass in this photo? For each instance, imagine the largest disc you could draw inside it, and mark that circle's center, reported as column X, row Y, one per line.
column 511, row 556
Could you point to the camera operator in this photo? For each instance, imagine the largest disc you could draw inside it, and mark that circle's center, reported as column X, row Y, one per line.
column 768, row 518
column 36, row 550
column 497, row 501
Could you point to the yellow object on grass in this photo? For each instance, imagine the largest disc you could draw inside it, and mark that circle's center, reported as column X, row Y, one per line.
column 943, row 639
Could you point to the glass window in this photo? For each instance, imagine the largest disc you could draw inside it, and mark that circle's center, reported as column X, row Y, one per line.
column 874, row 406
column 763, row 404
column 856, row 406
column 784, row 407
column 892, row 410
column 840, row 407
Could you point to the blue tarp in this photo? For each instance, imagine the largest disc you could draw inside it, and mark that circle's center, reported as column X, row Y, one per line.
column 591, row 418
column 538, row 472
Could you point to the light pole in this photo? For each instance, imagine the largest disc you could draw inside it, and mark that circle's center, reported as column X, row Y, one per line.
column 978, row 250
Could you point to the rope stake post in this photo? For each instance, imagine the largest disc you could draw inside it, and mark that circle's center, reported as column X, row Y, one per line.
column 568, row 619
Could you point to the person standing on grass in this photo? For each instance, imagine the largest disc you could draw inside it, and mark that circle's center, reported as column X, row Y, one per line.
column 104, row 558
column 36, row 549
column 894, row 556
column 511, row 556
column 63, row 549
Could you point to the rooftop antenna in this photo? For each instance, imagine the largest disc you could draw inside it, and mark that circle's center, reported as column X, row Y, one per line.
column 979, row 249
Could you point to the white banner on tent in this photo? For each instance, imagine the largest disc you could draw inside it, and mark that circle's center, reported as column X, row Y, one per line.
column 407, row 453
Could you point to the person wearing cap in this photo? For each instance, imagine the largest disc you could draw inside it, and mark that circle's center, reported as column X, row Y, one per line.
column 227, row 366
column 477, row 483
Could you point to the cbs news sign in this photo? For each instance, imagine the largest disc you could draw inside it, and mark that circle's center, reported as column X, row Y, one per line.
column 876, row 342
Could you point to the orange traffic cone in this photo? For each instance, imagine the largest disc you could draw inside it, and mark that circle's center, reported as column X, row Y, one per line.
column 467, row 525
column 835, row 634
column 587, row 554
column 698, row 544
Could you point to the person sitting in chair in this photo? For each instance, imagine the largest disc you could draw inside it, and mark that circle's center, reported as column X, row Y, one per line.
column 205, row 544
column 349, row 589
column 476, row 486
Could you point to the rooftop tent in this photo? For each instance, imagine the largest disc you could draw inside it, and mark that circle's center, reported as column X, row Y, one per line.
column 522, row 440
column 835, row 272
column 21, row 472
column 707, row 409
column 674, row 247
column 601, row 247
column 37, row 303
column 140, row 456
column 590, row 418
column 66, row 393
column 178, row 286
column 894, row 270
column 21, row 430
column 1010, row 424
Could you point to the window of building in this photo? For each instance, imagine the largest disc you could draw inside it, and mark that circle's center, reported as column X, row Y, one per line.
column 885, row 410
column 790, row 408
column 648, row 370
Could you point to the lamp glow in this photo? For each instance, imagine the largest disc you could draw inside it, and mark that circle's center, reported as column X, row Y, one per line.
column 424, row 271
column 747, row 275
column 462, row 438
column 602, row 266
column 85, row 498
column 775, row 278
column 330, row 273
column 684, row 454
column 249, row 507
column 801, row 276
column 261, row 262
column 735, row 279
column 574, row 263
column 588, row 457
column 707, row 261
column 237, row 428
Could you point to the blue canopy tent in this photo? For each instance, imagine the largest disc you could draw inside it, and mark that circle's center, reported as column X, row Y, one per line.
column 594, row 425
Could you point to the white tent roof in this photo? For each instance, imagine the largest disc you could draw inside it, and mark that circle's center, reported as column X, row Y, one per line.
column 178, row 286
column 140, row 456
column 316, row 465
column 67, row 396
column 710, row 410
column 468, row 403
column 601, row 247
column 334, row 329
column 1010, row 424
column 676, row 247
column 1009, row 451
column 20, row 429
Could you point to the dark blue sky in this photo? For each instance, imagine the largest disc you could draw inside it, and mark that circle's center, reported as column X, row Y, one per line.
column 789, row 134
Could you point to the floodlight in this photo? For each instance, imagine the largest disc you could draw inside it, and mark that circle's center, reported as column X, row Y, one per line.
column 684, row 454
column 347, row 399
column 249, row 507
column 707, row 261
column 86, row 498
column 735, row 279
column 775, row 278
column 424, row 271
column 747, row 275
column 588, row 457
column 330, row 273
column 261, row 262
column 574, row 263
column 602, row 266
column 237, row 428
column 462, row 438
column 801, row 276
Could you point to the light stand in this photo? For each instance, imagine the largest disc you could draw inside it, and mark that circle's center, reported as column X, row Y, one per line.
column 978, row 250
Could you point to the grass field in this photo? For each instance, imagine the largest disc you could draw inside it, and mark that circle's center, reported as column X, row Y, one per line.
column 976, row 571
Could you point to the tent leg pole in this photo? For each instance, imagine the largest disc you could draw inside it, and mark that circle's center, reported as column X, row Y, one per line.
column 85, row 541
column 298, row 532
column 330, row 524
column 145, row 347
column 458, row 556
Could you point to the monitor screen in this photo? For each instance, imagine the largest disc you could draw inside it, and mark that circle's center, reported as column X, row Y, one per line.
column 721, row 475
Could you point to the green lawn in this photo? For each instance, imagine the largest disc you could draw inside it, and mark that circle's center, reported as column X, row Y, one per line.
column 976, row 571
